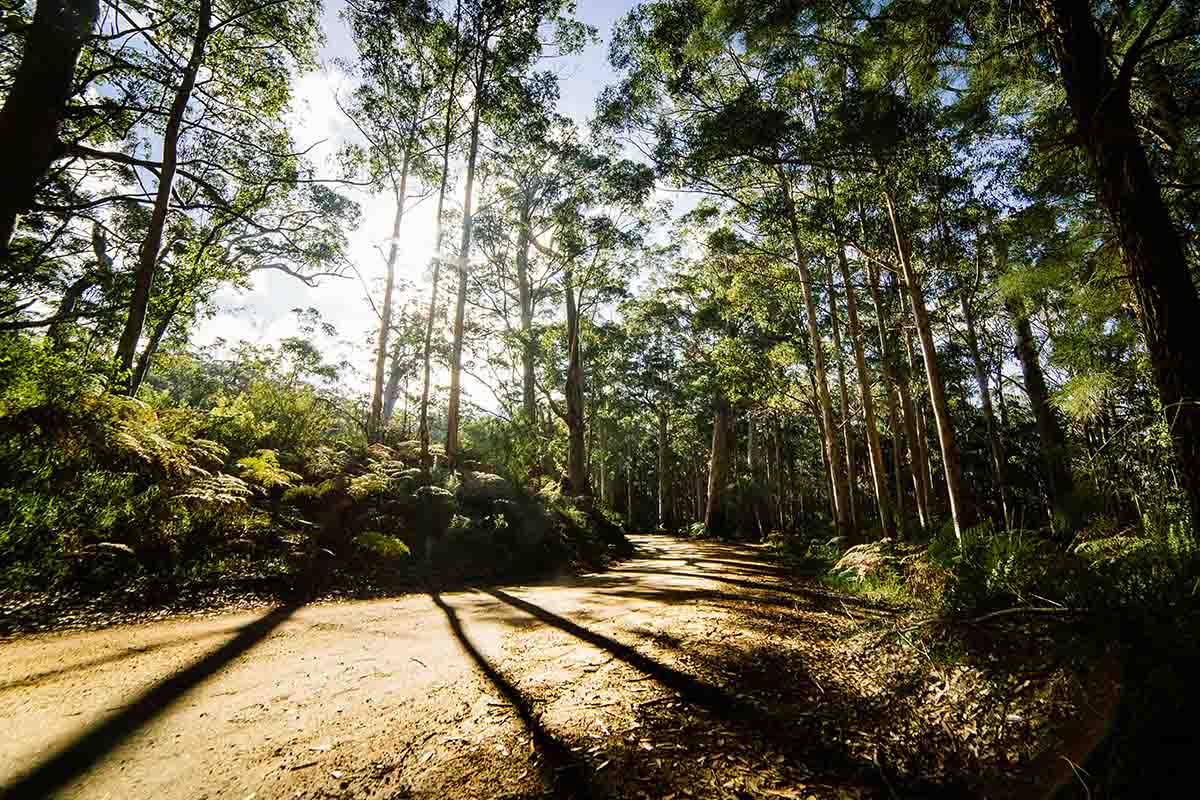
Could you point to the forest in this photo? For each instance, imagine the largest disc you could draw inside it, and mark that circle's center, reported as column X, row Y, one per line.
column 885, row 307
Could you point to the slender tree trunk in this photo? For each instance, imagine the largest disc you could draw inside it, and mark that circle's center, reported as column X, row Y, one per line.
column 156, row 337
column 847, row 427
column 391, row 392
column 629, row 485
column 1167, row 302
column 961, row 512
column 37, row 102
column 376, row 419
column 841, row 503
column 989, row 414
column 143, row 277
column 878, row 471
column 1000, row 393
column 1056, row 458
column 664, row 500
column 924, row 464
column 525, row 297
column 439, row 229
column 716, row 516
column 825, row 463
column 576, row 461
column 460, row 307
column 904, row 423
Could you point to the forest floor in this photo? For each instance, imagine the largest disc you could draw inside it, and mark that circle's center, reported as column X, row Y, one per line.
column 694, row 669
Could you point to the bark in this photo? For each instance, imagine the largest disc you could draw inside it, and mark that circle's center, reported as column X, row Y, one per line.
column 999, row 467
column 847, row 428
column 376, row 419
column 903, row 420
column 1000, row 394
column 391, row 392
column 37, row 102
column 924, row 464
column 156, row 337
column 1056, row 460
column 664, row 499
column 148, row 256
column 1167, row 303
column 439, row 230
column 961, row 511
column 716, row 516
column 576, row 460
column 460, row 306
column 525, row 297
column 833, row 455
column 878, row 471
column 629, row 486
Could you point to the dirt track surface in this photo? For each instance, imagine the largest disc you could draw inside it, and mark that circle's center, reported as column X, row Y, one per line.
column 621, row 684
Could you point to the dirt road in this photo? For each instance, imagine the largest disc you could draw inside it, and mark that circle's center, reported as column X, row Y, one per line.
column 587, row 686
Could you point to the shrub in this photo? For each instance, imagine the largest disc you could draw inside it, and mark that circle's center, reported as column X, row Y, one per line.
column 381, row 545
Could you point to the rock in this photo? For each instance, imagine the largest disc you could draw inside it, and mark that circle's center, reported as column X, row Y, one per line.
column 482, row 486
column 379, row 452
column 435, row 509
column 436, row 506
column 864, row 559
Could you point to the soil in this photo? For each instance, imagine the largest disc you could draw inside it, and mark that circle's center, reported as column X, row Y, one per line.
column 693, row 669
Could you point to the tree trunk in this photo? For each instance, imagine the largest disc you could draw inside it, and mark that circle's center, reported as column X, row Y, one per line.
column 1167, row 303
column 904, row 421
column 989, row 414
column 439, row 229
column 716, row 516
column 878, row 471
column 961, row 512
column 376, row 419
column 629, row 485
column 148, row 256
column 841, row 504
column 576, row 460
column 924, row 464
column 1055, row 457
column 391, row 392
column 460, row 306
column 525, row 297
column 847, row 428
column 156, row 337
column 664, row 501
column 37, row 102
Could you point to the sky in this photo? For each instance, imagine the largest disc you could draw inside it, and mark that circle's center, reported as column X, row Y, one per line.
column 262, row 314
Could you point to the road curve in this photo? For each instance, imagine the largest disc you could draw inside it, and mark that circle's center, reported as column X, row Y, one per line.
column 330, row 699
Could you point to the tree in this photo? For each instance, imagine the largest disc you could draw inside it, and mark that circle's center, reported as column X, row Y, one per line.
column 36, row 103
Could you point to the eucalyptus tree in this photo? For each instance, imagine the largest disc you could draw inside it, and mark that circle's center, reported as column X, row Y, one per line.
column 394, row 107
column 728, row 122
column 36, row 101
column 515, row 280
column 1109, row 78
column 503, row 41
column 598, row 223
column 175, row 154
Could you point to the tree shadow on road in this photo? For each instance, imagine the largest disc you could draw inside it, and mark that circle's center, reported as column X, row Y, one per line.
column 563, row 774
column 94, row 744
column 758, row 709
column 35, row 678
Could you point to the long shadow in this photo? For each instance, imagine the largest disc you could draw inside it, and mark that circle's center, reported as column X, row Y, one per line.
column 785, row 724
column 130, row 652
column 561, row 771
column 102, row 738
column 821, row 598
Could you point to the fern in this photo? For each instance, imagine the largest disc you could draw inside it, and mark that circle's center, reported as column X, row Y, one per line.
column 221, row 490
column 263, row 469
